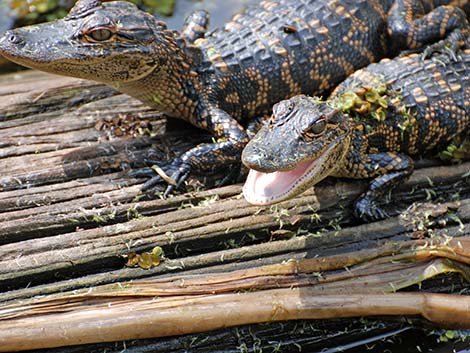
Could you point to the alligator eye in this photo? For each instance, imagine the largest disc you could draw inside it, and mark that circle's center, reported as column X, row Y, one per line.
column 316, row 129
column 100, row 34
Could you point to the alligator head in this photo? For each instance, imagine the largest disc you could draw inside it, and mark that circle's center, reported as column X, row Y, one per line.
column 110, row 42
column 304, row 142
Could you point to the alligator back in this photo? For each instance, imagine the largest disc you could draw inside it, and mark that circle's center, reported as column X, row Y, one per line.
column 285, row 47
column 428, row 102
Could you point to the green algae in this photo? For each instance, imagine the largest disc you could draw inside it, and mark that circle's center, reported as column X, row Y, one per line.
column 36, row 11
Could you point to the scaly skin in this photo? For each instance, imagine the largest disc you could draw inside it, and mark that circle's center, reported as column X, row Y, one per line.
column 270, row 52
column 368, row 128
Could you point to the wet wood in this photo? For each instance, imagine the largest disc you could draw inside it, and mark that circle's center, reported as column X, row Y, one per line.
column 69, row 212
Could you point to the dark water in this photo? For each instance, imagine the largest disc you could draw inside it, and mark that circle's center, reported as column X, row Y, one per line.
column 220, row 10
column 14, row 13
column 6, row 20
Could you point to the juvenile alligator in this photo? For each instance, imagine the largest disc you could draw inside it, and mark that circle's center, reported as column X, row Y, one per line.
column 271, row 52
column 368, row 128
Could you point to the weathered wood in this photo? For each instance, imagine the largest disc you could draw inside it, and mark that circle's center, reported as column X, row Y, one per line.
column 163, row 225
column 353, row 284
column 333, row 242
column 69, row 211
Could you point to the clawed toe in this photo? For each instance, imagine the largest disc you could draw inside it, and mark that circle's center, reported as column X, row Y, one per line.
column 178, row 177
column 173, row 173
column 366, row 209
column 142, row 173
column 151, row 183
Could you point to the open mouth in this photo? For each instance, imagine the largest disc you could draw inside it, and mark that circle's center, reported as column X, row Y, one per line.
column 268, row 188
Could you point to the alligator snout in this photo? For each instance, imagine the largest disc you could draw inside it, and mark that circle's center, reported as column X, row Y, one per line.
column 257, row 159
column 9, row 39
column 12, row 44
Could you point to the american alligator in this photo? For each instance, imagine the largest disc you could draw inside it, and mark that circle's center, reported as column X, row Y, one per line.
column 368, row 128
column 270, row 52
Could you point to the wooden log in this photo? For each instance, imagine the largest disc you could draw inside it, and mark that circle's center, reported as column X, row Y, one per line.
column 353, row 284
column 151, row 320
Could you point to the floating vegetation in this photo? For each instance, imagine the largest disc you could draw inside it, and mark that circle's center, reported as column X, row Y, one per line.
column 35, row 11
column 163, row 7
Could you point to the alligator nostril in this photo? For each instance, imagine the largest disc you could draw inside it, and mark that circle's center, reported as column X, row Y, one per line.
column 253, row 158
column 13, row 38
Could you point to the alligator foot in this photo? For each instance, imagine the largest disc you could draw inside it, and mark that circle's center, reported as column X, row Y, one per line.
column 173, row 173
column 195, row 26
column 449, row 46
column 365, row 208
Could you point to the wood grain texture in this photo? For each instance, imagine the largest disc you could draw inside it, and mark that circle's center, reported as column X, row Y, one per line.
column 69, row 211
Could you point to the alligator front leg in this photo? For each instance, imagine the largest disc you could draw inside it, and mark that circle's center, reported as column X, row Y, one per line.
column 388, row 170
column 410, row 27
column 230, row 137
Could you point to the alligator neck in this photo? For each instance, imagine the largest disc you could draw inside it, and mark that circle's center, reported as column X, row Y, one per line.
column 171, row 86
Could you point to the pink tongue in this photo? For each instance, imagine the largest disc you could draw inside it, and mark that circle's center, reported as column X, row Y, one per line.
column 261, row 188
